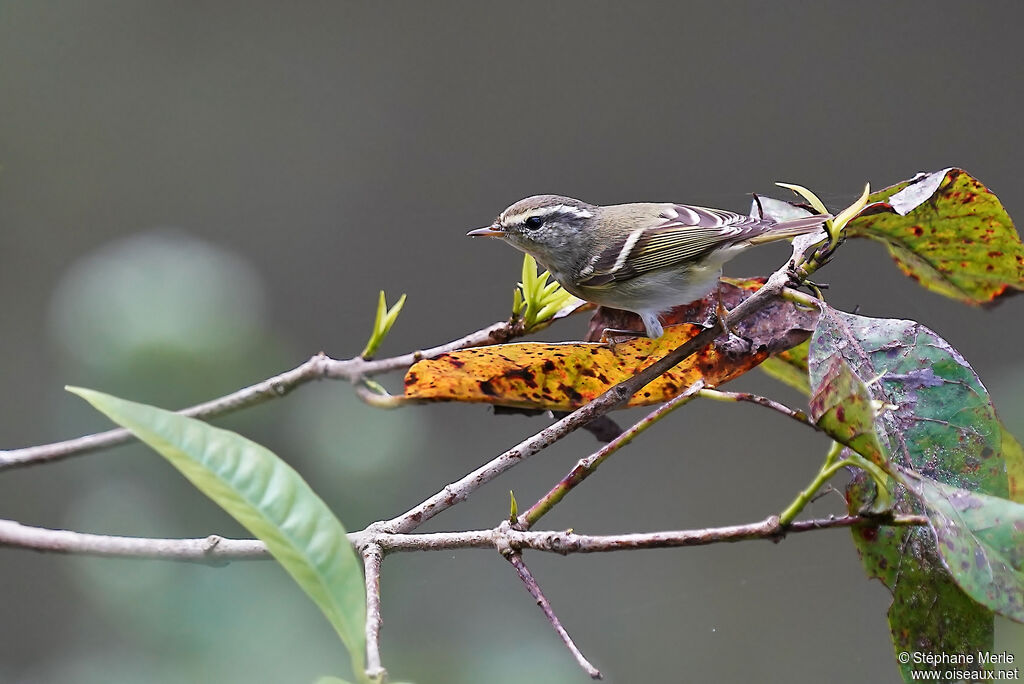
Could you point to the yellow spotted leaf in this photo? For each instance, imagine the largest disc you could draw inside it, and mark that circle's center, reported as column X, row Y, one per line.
column 948, row 232
column 565, row 376
column 568, row 375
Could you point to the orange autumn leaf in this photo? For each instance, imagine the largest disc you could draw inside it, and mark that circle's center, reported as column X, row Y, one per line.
column 565, row 376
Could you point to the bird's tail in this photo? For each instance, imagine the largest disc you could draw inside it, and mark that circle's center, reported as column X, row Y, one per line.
column 783, row 230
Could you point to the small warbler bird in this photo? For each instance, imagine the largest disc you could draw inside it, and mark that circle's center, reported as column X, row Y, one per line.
column 643, row 257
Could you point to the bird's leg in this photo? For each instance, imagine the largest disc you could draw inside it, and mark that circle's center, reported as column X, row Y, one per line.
column 717, row 314
column 652, row 329
column 720, row 318
column 720, row 311
column 794, row 275
column 612, row 336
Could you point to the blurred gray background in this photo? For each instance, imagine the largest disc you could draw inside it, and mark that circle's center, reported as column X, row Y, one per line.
column 195, row 196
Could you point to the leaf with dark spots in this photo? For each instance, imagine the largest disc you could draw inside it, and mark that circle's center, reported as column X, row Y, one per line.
column 568, row 375
column 500, row 377
column 908, row 563
column 841, row 406
column 948, row 232
column 933, row 418
column 938, row 417
column 922, row 377
column 981, row 541
column 1013, row 454
column 570, row 391
column 777, row 327
column 524, row 374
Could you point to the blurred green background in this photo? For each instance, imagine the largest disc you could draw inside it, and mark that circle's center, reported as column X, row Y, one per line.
column 195, row 196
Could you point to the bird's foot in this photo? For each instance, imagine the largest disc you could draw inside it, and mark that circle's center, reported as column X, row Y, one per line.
column 614, row 336
column 718, row 317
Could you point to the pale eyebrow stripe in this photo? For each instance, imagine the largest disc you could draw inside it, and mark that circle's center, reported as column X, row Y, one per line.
column 548, row 211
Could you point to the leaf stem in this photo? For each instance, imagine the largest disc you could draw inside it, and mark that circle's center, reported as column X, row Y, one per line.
column 736, row 397
column 829, row 468
column 797, row 297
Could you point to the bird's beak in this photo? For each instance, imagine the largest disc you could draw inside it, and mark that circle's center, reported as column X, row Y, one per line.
column 490, row 231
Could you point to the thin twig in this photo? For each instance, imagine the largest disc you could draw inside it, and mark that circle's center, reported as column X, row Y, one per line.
column 212, row 550
column 516, row 559
column 377, row 399
column 372, row 557
column 586, row 466
column 797, row 415
column 216, row 550
column 318, row 367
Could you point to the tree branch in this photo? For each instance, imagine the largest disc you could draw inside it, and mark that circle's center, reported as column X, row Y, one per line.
column 212, row 550
column 318, row 367
column 372, row 557
column 216, row 550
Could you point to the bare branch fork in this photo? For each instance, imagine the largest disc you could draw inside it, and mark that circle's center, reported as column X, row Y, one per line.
column 386, row 536
column 510, row 542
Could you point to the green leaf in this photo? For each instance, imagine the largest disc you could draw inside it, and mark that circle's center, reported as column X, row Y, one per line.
column 517, row 302
column 950, row 233
column 529, row 275
column 933, row 418
column 541, row 301
column 392, row 314
column 811, row 198
column 844, row 217
column 1013, row 454
column 382, row 323
column 834, row 226
column 981, row 540
column 789, row 367
column 929, row 611
column 843, row 408
column 936, row 417
column 267, row 497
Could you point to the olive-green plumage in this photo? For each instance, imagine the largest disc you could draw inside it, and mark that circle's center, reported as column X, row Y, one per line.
column 643, row 257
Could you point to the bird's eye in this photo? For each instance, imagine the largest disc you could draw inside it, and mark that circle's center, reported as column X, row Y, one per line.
column 533, row 223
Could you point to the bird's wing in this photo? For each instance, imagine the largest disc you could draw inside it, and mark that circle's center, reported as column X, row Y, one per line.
column 684, row 233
